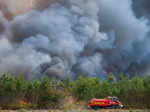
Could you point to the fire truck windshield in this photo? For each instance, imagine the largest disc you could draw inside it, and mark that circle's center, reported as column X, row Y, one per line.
column 113, row 98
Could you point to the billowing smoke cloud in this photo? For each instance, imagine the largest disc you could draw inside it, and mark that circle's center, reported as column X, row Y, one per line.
column 141, row 8
column 75, row 37
column 12, row 8
column 131, row 36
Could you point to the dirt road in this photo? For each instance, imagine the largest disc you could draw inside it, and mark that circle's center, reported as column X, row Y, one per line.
column 79, row 110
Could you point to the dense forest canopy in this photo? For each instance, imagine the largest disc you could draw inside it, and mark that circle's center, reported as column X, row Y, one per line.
column 49, row 93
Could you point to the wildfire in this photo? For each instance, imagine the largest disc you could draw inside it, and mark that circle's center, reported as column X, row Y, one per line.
column 71, row 100
column 23, row 102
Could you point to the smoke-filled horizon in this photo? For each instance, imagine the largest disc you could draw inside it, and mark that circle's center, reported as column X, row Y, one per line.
column 74, row 37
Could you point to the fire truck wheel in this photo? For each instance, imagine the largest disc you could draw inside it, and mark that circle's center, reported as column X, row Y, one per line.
column 96, row 107
column 116, row 107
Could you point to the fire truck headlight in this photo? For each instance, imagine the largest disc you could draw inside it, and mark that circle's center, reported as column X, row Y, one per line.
column 121, row 105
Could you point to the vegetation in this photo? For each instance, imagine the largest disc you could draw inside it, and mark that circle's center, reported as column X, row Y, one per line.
column 16, row 92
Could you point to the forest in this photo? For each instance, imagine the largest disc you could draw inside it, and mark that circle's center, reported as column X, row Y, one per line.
column 49, row 93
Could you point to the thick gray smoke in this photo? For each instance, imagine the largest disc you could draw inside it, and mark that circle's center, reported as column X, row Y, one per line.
column 141, row 8
column 75, row 37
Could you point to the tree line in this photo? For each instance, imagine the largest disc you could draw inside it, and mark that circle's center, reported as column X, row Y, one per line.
column 16, row 92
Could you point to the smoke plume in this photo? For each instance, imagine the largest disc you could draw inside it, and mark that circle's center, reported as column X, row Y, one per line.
column 69, row 38
column 141, row 8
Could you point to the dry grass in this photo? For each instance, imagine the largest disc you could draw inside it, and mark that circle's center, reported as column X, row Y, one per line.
column 78, row 110
column 69, row 104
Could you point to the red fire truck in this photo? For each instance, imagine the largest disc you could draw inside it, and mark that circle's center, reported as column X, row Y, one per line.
column 110, row 102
